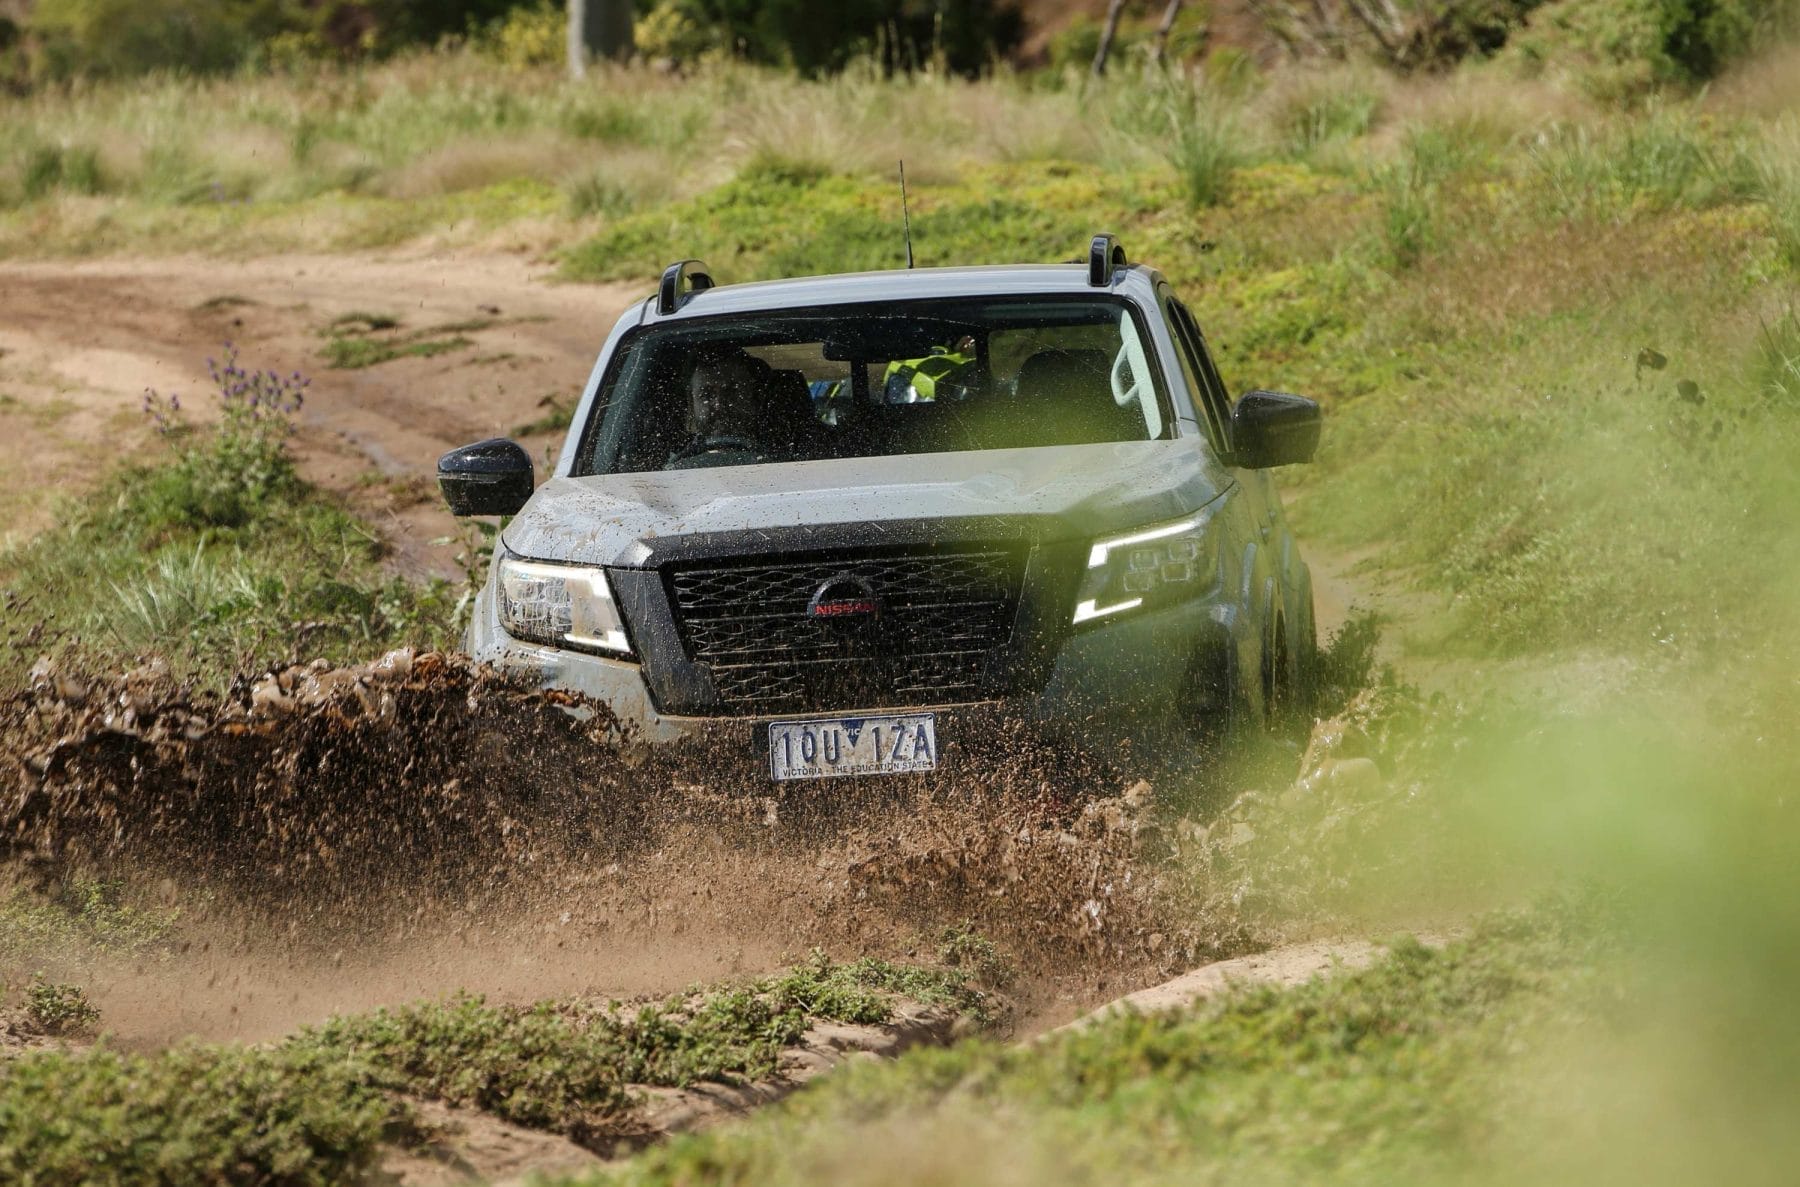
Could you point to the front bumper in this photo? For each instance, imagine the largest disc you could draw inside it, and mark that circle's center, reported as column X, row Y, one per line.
column 1123, row 691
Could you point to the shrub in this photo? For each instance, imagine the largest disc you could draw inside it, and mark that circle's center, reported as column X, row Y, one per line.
column 1623, row 47
column 220, row 555
column 192, row 1115
column 821, row 36
column 58, row 1010
column 125, row 37
column 77, row 916
column 670, row 32
column 219, row 479
column 528, row 36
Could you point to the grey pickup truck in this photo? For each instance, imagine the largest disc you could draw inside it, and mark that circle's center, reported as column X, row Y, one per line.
column 882, row 524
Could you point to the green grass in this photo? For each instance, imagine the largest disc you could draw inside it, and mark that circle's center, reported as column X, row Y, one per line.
column 570, row 1067
column 80, row 916
column 351, row 353
column 1391, row 1074
column 193, row 1114
column 314, row 1108
column 219, row 558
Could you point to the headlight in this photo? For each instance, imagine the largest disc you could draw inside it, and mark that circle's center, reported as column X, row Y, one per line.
column 559, row 605
column 1158, row 564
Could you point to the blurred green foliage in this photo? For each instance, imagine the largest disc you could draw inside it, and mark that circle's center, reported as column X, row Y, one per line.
column 1624, row 47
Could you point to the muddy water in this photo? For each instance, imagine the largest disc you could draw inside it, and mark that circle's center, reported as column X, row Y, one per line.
column 336, row 839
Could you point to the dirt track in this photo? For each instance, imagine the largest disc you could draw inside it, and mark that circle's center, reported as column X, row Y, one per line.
column 80, row 342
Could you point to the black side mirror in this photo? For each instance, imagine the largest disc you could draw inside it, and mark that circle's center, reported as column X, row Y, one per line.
column 1274, row 429
column 487, row 478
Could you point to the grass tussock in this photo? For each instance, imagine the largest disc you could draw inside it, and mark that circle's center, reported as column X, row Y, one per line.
column 217, row 557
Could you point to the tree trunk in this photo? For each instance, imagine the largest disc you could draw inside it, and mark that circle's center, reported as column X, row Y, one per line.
column 1107, row 32
column 598, row 29
column 1163, row 30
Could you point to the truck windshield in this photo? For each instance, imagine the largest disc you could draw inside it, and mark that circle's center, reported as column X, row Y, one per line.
column 866, row 381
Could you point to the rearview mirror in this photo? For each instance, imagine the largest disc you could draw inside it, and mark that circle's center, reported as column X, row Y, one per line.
column 488, row 478
column 1274, row 429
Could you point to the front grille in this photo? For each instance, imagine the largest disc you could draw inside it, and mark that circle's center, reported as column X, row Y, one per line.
column 943, row 616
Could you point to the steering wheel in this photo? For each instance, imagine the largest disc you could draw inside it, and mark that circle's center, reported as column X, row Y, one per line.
column 714, row 446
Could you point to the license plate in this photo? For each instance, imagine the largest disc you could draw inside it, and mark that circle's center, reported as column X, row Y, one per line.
column 831, row 746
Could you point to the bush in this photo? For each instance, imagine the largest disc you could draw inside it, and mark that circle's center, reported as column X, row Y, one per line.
column 123, row 38
column 220, row 556
column 126, row 37
column 58, row 1010
column 1622, row 47
column 193, row 1115
column 221, row 479
column 530, row 35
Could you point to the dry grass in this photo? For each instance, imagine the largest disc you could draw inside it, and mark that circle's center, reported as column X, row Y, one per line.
column 484, row 161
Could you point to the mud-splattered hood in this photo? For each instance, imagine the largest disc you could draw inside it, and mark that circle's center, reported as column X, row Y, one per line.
column 1054, row 493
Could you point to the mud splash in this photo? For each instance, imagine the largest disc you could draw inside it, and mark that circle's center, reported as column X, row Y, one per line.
column 420, row 822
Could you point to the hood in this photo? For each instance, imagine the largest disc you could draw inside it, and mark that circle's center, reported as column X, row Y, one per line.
column 1053, row 493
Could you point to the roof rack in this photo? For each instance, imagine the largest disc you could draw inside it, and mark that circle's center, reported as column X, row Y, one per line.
column 669, row 296
column 1105, row 257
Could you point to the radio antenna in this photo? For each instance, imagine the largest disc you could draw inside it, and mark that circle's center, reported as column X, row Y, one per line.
column 906, row 215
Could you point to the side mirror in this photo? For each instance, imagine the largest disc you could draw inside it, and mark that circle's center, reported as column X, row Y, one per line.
column 488, row 478
column 1274, row 429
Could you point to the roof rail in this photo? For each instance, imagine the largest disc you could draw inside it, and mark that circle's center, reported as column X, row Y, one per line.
column 698, row 276
column 1105, row 257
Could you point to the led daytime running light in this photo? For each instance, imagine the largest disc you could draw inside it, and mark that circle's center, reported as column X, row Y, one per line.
column 1098, row 554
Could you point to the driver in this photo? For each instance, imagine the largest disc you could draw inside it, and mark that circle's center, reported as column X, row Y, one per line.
column 725, row 413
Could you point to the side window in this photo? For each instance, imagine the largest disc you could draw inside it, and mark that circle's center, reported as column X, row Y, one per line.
column 1203, row 379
